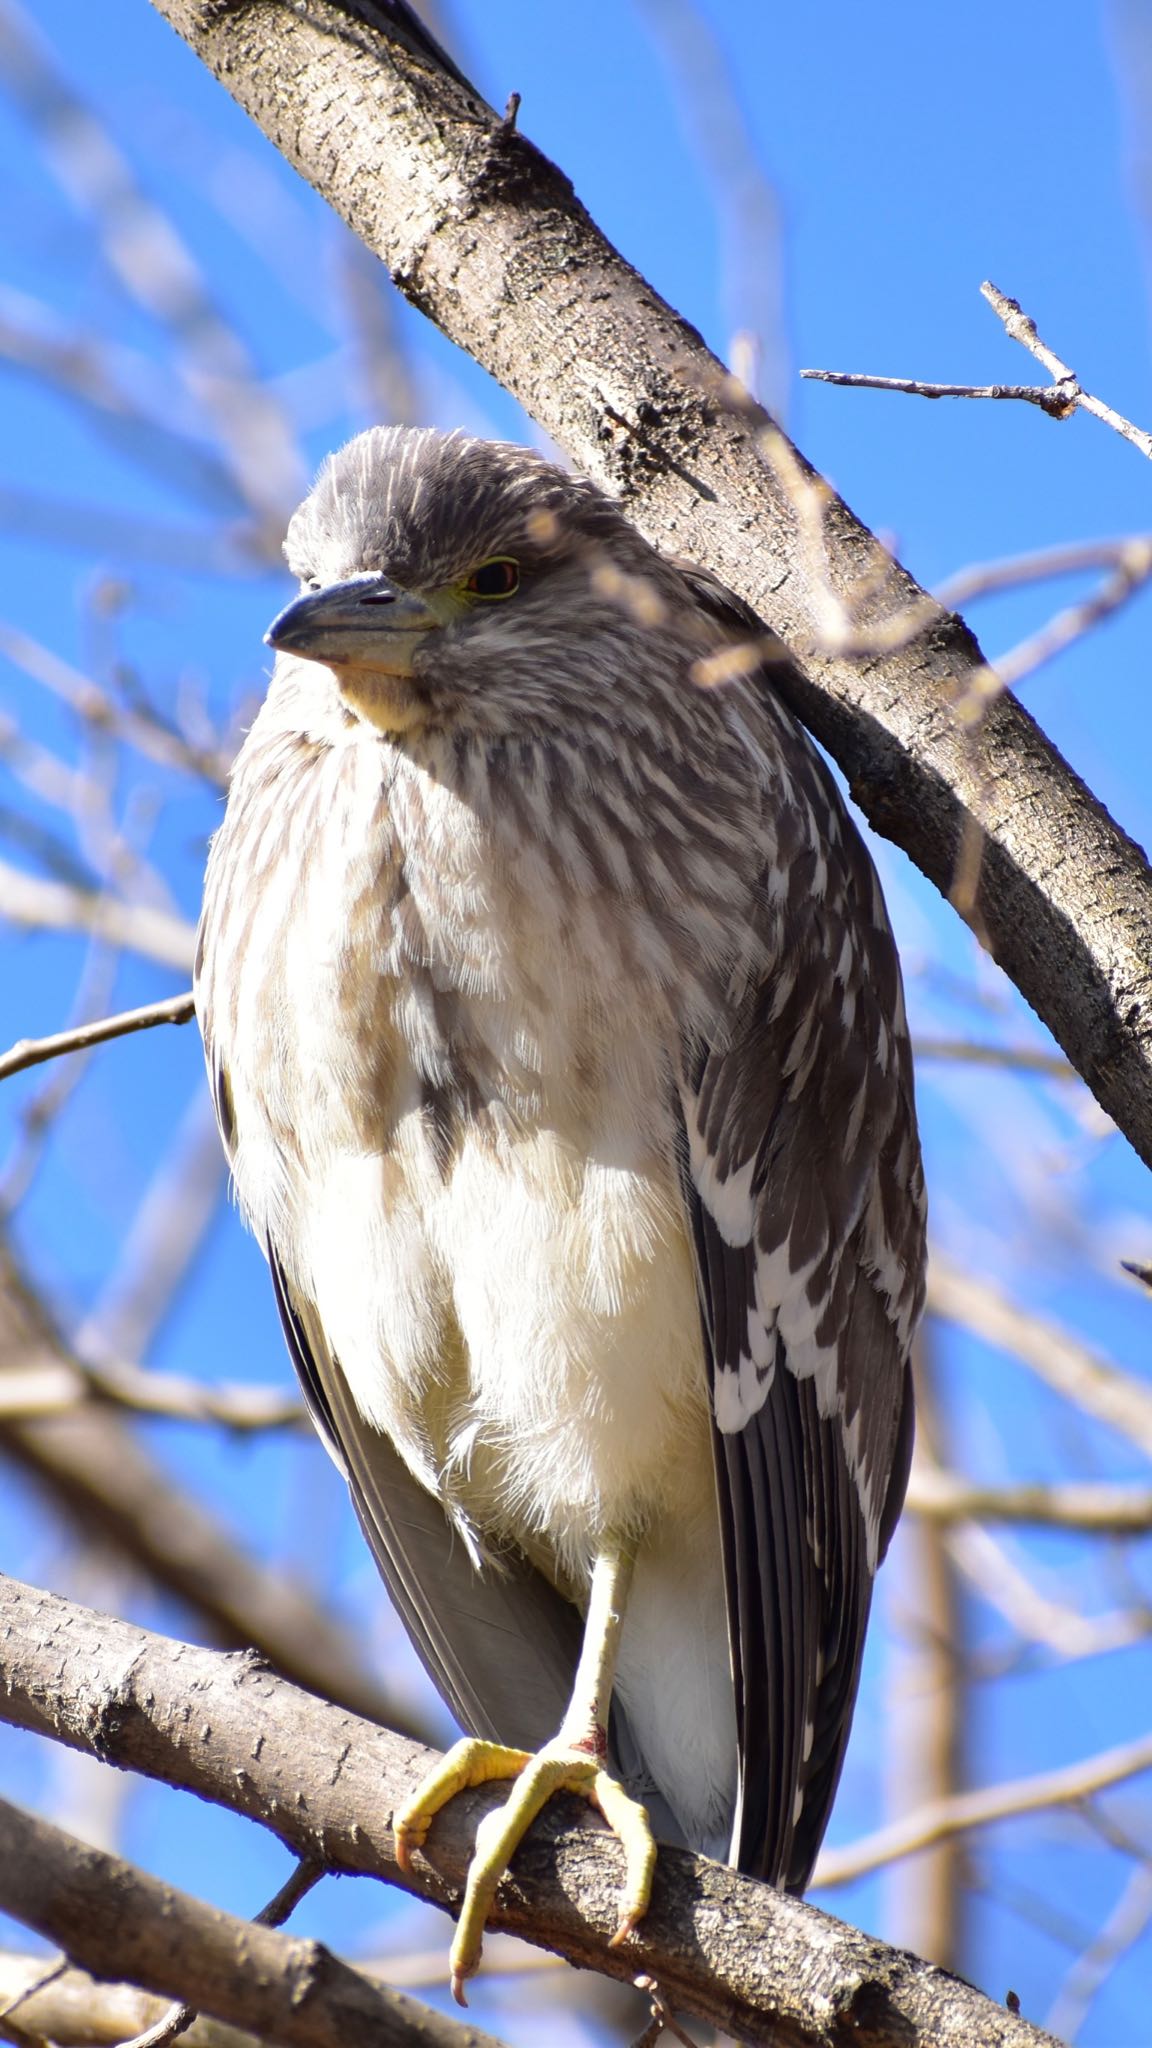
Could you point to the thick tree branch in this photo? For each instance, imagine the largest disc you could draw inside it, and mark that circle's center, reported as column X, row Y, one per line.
column 117, row 1921
column 486, row 236
column 766, row 1968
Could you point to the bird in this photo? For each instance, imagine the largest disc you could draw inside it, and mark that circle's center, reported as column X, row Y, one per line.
column 558, row 1046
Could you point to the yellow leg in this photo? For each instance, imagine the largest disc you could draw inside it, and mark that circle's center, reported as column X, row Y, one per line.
column 573, row 1762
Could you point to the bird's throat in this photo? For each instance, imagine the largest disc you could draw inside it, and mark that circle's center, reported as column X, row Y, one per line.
column 393, row 703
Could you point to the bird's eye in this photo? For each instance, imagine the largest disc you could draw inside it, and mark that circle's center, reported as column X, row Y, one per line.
column 497, row 578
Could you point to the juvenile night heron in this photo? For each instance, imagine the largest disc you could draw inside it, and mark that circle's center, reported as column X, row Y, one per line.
column 558, row 1045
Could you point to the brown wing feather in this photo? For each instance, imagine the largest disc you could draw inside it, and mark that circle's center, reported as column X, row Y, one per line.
column 806, row 1199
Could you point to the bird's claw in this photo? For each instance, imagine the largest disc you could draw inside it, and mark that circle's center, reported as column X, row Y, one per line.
column 558, row 1767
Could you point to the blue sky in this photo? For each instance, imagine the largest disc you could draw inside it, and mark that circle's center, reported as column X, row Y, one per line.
column 873, row 167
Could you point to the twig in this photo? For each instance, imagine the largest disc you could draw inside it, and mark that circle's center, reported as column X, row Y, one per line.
column 984, row 579
column 1101, row 1508
column 142, row 729
column 1019, row 326
column 66, row 2005
column 1060, row 399
column 1123, row 1928
column 1061, row 1360
column 1032, row 1614
column 1133, row 567
column 31, row 1052
column 1023, row 1059
column 735, row 1953
column 44, row 905
column 49, row 1387
column 160, row 1246
column 155, row 267
column 966, row 1811
column 1043, row 395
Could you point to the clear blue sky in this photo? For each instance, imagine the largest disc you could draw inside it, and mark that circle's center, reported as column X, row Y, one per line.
column 883, row 163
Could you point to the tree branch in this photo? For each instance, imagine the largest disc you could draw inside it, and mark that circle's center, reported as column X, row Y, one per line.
column 1094, row 1507
column 72, row 2010
column 32, row 1052
column 766, row 1968
column 1073, row 1785
column 486, row 237
column 117, row 1921
column 1063, row 1361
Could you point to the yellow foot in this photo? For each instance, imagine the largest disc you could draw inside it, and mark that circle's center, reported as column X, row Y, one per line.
column 558, row 1767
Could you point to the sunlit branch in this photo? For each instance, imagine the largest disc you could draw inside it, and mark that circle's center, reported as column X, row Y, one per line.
column 967, row 1811
column 1064, row 1363
column 31, row 1052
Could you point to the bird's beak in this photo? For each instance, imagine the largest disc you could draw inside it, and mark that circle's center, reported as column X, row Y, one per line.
column 366, row 622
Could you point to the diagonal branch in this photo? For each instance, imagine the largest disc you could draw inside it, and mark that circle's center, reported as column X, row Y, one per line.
column 737, row 1954
column 112, row 1918
column 1071, row 1785
column 486, row 236
column 32, row 1052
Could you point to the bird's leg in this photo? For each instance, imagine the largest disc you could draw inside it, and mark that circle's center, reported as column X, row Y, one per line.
column 572, row 1762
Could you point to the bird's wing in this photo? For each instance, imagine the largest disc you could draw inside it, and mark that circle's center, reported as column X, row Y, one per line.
column 805, row 1194
column 499, row 1643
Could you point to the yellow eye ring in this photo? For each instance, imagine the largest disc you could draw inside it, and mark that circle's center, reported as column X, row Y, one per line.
column 495, row 579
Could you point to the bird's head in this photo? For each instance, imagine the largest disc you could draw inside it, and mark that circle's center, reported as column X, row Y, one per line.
column 446, row 580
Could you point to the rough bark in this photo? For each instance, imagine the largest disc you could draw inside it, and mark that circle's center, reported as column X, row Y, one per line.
column 769, row 1970
column 116, row 1920
column 488, row 239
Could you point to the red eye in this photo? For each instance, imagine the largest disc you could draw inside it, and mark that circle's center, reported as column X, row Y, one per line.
column 500, row 578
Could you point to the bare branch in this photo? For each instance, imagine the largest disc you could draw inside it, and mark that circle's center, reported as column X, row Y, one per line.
column 67, row 2007
column 1043, row 395
column 53, row 1388
column 736, row 1953
column 112, row 1918
column 1066, row 1364
column 1071, row 1786
column 155, row 267
column 1131, row 571
column 1101, row 1509
column 1021, row 1059
column 31, row 1052
column 1091, row 1970
column 1034, row 1616
column 984, row 578
column 280, row 1908
column 1019, row 326
column 1060, row 399
column 44, row 905
column 142, row 729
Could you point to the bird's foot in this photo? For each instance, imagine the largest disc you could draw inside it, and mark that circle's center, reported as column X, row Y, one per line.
column 561, row 1766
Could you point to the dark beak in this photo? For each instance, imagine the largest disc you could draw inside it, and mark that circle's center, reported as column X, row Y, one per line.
column 366, row 622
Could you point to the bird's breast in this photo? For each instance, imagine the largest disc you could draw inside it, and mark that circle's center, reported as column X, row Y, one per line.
column 453, row 1100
